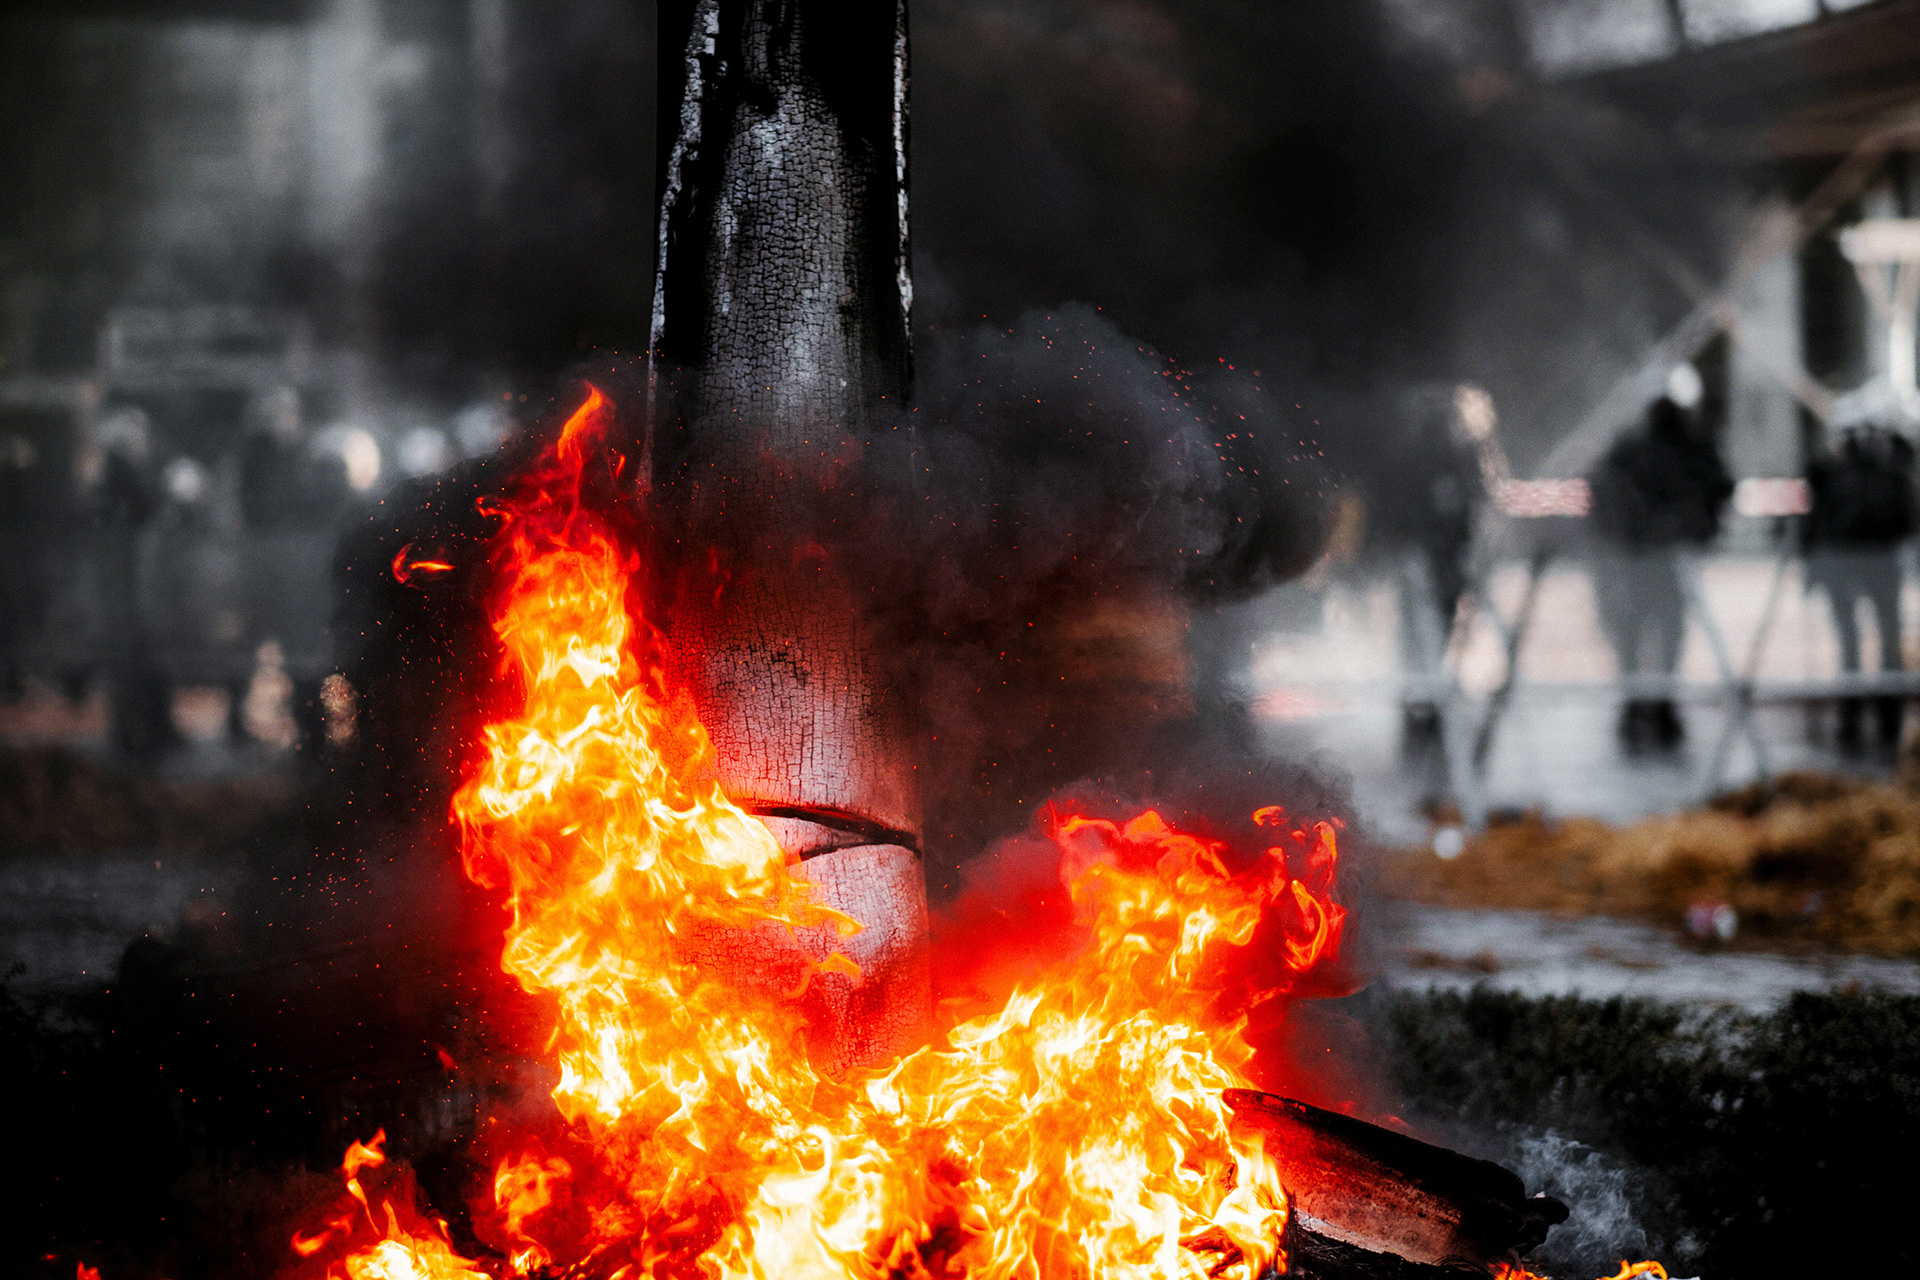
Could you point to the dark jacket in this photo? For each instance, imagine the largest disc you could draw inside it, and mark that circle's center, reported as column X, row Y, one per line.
column 1863, row 492
column 1423, row 489
column 1662, row 486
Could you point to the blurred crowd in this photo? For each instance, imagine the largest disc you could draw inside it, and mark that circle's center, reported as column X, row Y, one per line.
column 187, row 587
column 163, row 571
column 1658, row 499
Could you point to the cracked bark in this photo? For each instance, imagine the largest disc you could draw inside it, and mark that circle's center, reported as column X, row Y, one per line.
column 780, row 339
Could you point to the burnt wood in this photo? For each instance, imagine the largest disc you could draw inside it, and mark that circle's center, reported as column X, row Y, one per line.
column 780, row 341
column 1311, row 1256
column 783, row 289
column 1369, row 1199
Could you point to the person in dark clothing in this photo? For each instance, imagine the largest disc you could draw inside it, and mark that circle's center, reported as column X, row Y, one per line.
column 23, row 522
column 1863, row 509
column 1422, row 501
column 124, row 499
column 274, row 462
column 1657, row 491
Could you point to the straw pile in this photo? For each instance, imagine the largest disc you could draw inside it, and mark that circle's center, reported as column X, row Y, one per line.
column 1803, row 859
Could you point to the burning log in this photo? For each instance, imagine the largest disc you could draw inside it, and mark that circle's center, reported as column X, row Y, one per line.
column 1369, row 1202
column 780, row 333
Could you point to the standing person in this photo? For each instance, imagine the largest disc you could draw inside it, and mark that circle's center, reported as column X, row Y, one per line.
column 1657, row 491
column 21, row 524
column 1423, row 498
column 124, row 498
column 1863, row 509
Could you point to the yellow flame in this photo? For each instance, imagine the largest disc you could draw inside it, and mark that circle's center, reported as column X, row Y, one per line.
column 1077, row 1132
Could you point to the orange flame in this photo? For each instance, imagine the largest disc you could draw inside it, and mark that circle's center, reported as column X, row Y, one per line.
column 405, row 569
column 411, row 1249
column 1627, row 1271
column 402, row 1255
column 1077, row 1132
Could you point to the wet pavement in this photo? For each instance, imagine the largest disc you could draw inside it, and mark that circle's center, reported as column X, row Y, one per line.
column 1325, row 681
column 1537, row 954
column 65, row 922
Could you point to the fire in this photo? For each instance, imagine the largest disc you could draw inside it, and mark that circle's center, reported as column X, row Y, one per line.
column 1076, row 1132
column 1627, row 1271
column 404, row 1245
column 404, row 568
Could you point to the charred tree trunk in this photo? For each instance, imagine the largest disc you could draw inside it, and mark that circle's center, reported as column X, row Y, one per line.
column 780, row 341
column 783, row 286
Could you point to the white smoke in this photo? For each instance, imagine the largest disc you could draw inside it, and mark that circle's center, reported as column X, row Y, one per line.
column 1596, row 1189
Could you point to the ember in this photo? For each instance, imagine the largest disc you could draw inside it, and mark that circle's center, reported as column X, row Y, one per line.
column 1080, row 1130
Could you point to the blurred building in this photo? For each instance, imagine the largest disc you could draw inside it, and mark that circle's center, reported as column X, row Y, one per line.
column 1664, row 181
column 307, row 243
column 1823, row 99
